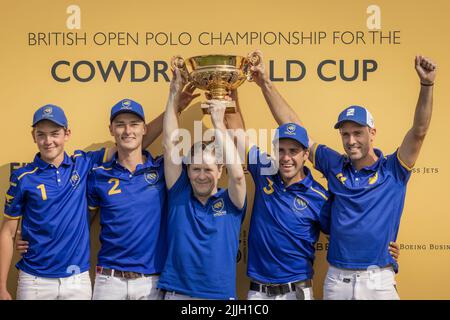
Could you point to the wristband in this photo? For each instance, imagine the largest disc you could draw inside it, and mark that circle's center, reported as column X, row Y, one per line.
column 427, row 84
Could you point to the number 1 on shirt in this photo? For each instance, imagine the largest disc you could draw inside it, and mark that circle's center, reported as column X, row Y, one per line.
column 43, row 192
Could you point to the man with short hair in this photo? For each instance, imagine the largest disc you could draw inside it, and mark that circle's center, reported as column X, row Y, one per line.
column 290, row 208
column 129, row 191
column 64, row 188
column 367, row 188
column 49, row 195
column 203, row 220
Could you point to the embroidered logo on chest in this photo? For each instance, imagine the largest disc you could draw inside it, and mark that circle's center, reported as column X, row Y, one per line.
column 218, row 207
column 75, row 179
column 151, row 177
column 300, row 204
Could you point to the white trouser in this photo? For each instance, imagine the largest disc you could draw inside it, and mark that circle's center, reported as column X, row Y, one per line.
column 307, row 294
column 372, row 284
column 76, row 287
column 171, row 295
column 114, row 288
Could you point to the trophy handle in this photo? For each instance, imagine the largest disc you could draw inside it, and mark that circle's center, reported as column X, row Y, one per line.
column 253, row 59
column 177, row 62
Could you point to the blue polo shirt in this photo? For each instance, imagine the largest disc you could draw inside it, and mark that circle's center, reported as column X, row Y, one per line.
column 203, row 243
column 366, row 209
column 285, row 224
column 55, row 218
column 132, row 214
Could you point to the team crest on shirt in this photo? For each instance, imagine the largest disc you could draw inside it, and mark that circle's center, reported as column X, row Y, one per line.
column 299, row 204
column 218, row 207
column 75, row 179
column 151, row 177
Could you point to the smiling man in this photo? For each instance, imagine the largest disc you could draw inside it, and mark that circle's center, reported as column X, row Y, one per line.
column 367, row 188
column 49, row 195
column 369, row 193
column 204, row 221
column 290, row 207
column 130, row 193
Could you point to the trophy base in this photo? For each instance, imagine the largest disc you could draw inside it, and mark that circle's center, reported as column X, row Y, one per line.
column 230, row 107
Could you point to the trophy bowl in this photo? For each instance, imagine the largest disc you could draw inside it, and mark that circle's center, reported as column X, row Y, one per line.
column 216, row 74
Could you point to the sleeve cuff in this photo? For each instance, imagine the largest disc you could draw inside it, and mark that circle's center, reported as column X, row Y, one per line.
column 11, row 217
column 404, row 165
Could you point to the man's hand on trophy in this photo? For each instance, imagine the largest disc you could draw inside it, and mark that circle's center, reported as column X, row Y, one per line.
column 257, row 69
column 187, row 96
column 426, row 69
column 177, row 83
column 217, row 110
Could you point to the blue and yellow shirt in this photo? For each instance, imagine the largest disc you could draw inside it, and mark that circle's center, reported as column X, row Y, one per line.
column 53, row 206
column 366, row 209
column 132, row 215
column 285, row 224
column 203, row 243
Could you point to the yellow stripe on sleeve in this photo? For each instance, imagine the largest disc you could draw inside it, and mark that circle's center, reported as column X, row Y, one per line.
column 317, row 191
column 12, row 218
column 404, row 165
column 25, row 173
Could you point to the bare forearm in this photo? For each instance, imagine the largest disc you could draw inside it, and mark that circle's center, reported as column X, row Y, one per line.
column 280, row 109
column 6, row 254
column 170, row 122
column 230, row 156
column 424, row 108
column 154, row 129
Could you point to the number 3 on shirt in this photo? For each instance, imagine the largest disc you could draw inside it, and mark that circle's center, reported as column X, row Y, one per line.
column 114, row 189
column 43, row 192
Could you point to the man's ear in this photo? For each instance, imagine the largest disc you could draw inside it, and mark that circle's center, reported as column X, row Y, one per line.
column 32, row 134
column 67, row 134
column 145, row 129
column 373, row 133
column 306, row 155
column 110, row 130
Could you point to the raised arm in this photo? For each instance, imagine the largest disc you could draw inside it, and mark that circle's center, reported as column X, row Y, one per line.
column 172, row 167
column 236, row 177
column 155, row 127
column 7, row 233
column 410, row 147
column 235, row 123
column 281, row 110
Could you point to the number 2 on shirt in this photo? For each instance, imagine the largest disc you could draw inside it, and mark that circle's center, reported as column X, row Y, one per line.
column 114, row 189
column 43, row 192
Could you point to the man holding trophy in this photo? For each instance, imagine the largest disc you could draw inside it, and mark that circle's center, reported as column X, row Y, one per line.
column 290, row 207
column 204, row 221
column 367, row 192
